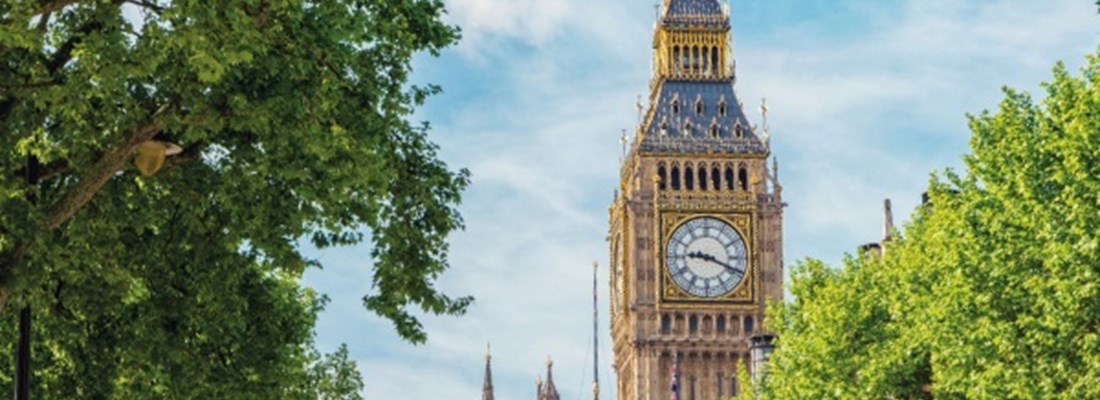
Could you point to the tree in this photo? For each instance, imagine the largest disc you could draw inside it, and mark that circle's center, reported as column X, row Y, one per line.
column 292, row 117
column 992, row 292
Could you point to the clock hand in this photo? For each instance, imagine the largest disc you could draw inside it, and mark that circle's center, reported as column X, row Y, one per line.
column 707, row 257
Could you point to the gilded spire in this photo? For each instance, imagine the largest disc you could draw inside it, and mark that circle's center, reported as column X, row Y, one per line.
column 487, row 387
column 548, row 391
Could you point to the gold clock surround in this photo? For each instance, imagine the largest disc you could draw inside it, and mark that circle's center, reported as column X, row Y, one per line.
column 672, row 296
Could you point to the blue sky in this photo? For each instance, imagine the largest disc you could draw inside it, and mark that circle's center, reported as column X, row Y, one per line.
column 867, row 98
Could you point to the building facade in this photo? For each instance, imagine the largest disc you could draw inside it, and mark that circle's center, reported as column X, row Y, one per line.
column 696, row 223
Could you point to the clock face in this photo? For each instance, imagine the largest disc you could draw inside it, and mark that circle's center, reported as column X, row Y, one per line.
column 706, row 257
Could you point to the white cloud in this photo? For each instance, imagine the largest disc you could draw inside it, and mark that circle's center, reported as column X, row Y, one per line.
column 528, row 20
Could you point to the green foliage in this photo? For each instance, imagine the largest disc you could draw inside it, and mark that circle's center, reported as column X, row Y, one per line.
column 293, row 119
column 991, row 293
column 744, row 381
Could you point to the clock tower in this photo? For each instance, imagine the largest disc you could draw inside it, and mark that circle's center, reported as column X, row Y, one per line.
column 696, row 225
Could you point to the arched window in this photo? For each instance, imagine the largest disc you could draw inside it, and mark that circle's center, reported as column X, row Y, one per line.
column 693, row 324
column 714, row 67
column 699, row 107
column 716, row 178
column 685, row 59
column 722, row 109
column 675, row 107
column 714, row 131
column 729, row 178
column 676, row 59
column 664, row 128
column 738, row 130
column 666, row 324
column 720, row 324
column 697, row 61
column 708, row 325
column 687, row 129
column 661, row 177
column 743, row 178
column 748, row 326
column 675, row 178
column 689, row 178
column 702, row 177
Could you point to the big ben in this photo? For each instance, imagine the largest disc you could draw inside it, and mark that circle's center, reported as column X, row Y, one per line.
column 696, row 225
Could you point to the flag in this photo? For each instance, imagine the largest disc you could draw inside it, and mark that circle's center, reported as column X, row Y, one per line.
column 674, row 386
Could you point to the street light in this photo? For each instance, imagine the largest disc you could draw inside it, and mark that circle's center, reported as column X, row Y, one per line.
column 149, row 160
column 151, row 155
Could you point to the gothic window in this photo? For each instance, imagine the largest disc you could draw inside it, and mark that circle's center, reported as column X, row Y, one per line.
column 676, row 58
column 696, row 61
column 729, row 178
column 720, row 325
column 666, row 324
column 685, row 59
column 716, row 178
column 689, row 178
column 661, row 177
column 748, row 326
column 720, row 381
column 702, row 177
column 699, row 107
column 722, row 109
column 675, row 107
column 714, row 61
column 693, row 324
column 675, row 178
column 743, row 178
column 664, row 127
column 687, row 129
column 738, row 130
column 714, row 131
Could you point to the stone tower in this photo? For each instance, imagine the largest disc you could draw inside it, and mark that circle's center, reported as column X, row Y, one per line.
column 696, row 224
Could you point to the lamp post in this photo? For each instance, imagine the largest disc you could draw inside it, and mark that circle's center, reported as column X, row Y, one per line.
column 150, row 158
column 23, row 357
column 23, row 348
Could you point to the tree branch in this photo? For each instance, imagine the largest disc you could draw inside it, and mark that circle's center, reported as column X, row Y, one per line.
column 189, row 155
column 147, row 4
column 49, row 171
column 55, row 5
column 99, row 173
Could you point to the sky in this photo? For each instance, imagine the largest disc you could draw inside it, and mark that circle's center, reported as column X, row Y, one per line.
column 867, row 98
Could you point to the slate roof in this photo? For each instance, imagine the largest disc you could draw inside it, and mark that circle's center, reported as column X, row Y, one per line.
column 695, row 12
column 686, row 130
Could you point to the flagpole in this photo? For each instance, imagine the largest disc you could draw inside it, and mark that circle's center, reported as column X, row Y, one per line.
column 595, row 337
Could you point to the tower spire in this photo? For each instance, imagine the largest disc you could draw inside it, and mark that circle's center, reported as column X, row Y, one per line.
column 548, row 390
column 487, row 387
